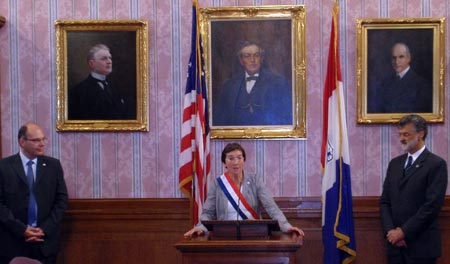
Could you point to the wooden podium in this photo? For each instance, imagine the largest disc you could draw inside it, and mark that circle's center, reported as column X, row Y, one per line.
column 235, row 242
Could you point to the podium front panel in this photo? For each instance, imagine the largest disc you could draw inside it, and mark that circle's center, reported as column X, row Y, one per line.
column 239, row 258
column 278, row 248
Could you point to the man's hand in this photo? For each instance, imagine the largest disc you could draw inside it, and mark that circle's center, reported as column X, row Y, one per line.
column 34, row 234
column 395, row 236
column 401, row 243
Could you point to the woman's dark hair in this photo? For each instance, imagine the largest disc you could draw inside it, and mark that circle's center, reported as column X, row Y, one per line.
column 232, row 147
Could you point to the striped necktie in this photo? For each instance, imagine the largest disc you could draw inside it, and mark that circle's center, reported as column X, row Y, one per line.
column 408, row 166
column 32, row 205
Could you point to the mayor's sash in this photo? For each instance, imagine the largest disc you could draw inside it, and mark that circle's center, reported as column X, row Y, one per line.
column 234, row 195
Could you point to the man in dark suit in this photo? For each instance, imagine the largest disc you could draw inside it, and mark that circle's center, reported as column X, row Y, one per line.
column 256, row 96
column 33, row 198
column 404, row 91
column 95, row 98
column 413, row 194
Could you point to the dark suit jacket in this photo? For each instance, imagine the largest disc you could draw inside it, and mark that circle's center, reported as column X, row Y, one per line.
column 271, row 99
column 411, row 94
column 88, row 100
column 413, row 203
column 51, row 197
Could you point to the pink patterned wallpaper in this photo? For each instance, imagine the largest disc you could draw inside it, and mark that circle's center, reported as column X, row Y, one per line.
column 145, row 164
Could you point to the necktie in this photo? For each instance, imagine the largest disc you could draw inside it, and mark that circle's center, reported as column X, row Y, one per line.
column 249, row 84
column 408, row 164
column 251, row 78
column 106, row 88
column 32, row 206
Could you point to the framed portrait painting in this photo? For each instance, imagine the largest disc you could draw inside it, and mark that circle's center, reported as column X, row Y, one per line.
column 400, row 69
column 101, row 75
column 256, row 71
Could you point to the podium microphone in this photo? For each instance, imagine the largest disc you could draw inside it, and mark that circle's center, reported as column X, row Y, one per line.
column 238, row 226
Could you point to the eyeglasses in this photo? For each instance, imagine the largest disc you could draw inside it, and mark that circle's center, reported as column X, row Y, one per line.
column 37, row 140
column 251, row 55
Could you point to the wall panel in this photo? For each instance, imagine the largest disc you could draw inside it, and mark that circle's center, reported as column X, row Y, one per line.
column 145, row 230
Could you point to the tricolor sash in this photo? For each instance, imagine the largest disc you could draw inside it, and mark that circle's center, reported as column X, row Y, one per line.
column 235, row 197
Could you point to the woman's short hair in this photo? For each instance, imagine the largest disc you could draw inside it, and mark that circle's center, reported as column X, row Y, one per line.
column 232, row 147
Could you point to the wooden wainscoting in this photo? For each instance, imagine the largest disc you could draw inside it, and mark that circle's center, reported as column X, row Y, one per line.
column 123, row 231
column 129, row 231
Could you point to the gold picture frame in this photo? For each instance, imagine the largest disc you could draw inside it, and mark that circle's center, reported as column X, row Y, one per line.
column 128, row 44
column 384, row 48
column 223, row 30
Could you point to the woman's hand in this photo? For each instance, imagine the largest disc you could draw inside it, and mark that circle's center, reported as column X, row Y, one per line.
column 194, row 231
column 297, row 230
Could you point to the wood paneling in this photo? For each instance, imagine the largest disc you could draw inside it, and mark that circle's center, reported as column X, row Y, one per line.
column 124, row 231
column 146, row 230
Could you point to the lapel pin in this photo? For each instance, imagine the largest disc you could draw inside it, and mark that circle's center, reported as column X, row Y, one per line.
column 44, row 164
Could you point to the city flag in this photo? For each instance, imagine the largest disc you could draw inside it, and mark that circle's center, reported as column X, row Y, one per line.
column 195, row 165
column 337, row 212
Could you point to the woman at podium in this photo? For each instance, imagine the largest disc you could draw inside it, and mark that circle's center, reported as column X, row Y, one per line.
column 236, row 195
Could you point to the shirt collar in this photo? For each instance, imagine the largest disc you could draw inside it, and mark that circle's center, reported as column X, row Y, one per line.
column 98, row 76
column 248, row 75
column 401, row 74
column 25, row 159
column 416, row 154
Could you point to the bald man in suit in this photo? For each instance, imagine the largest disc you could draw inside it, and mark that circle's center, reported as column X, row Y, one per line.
column 29, row 226
column 413, row 194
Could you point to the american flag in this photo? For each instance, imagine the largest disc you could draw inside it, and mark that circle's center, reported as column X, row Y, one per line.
column 337, row 212
column 195, row 165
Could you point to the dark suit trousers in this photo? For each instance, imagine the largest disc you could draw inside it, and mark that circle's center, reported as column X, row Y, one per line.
column 403, row 258
column 32, row 251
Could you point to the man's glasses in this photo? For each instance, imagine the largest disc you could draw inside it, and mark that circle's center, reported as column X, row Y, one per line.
column 37, row 140
column 251, row 55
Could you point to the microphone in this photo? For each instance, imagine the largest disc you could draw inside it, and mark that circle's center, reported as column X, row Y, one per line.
column 238, row 226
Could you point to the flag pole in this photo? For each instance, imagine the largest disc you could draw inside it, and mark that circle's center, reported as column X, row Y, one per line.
column 191, row 202
column 194, row 156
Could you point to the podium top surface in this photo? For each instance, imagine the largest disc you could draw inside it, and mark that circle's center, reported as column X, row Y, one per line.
column 272, row 225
